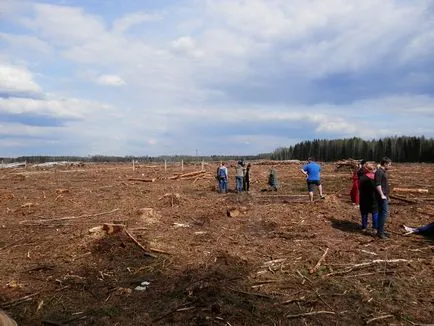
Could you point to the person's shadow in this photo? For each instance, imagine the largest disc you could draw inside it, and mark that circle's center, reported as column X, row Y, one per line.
column 345, row 225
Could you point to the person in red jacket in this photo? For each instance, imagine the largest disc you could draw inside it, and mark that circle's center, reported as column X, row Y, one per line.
column 354, row 193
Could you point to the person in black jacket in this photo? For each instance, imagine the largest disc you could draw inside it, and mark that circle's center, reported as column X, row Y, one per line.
column 368, row 196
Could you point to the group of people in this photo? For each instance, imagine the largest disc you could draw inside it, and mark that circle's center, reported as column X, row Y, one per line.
column 242, row 177
column 312, row 171
column 370, row 192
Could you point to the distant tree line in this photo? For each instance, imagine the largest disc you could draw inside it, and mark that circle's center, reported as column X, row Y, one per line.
column 399, row 149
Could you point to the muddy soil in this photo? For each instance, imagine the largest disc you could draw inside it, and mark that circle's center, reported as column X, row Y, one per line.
column 280, row 261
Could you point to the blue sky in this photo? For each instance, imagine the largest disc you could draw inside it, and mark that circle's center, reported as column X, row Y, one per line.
column 87, row 77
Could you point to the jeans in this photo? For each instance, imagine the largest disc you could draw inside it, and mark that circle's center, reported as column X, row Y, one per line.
column 374, row 220
column 223, row 185
column 383, row 211
column 239, row 184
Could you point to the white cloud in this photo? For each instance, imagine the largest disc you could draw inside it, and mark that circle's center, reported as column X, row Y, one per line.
column 63, row 25
column 16, row 79
column 124, row 23
column 110, row 80
column 206, row 63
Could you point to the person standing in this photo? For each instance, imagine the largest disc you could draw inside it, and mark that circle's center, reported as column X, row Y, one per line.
column 354, row 193
column 222, row 175
column 272, row 182
column 312, row 170
column 368, row 197
column 246, row 184
column 382, row 187
column 239, row 177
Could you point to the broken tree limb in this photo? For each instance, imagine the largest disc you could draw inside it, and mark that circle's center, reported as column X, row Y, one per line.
column 142, row 180
column 68, row 217
column 406, row 200
column 318, row 264
column 312, row 313
column 184, row 175
column 367, row 264
column 412, row 190
column 147, row 253
column 378, row 318
column 19, row 300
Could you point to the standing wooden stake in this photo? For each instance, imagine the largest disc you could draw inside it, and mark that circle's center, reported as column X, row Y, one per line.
column 165, row 166
column 182, row 165
column 203, row 165
column 133, row 165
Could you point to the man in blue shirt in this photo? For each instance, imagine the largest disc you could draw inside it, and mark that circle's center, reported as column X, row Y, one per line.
column 312, row 171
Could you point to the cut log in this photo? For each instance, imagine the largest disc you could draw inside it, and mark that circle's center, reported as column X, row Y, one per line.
column 412, row 190
column 184, row 175
column 142, row 180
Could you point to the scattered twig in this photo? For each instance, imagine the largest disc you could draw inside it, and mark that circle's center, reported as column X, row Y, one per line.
column 251, row 293
column 19, row 300
column 378, row 318
column 69, row 217
column 318, row 264
column 424, row 212
column 312, row 313
column 147, row 253
column 159, row 251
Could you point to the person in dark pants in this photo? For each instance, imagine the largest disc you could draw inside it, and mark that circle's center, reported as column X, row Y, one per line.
column 246, row 180
column 426, row 230
column 313, row 178
column 272, row 182
column 382, row 186
column 368, row 197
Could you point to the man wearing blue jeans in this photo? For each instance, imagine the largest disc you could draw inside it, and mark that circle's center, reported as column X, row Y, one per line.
column 382, row 186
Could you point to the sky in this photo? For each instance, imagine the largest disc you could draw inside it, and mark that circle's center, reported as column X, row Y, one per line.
column 234, row 77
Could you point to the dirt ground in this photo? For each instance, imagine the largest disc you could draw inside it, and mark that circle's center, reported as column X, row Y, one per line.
column 203, row 267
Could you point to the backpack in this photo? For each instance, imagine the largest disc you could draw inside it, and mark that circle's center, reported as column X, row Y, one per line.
column 221, row 173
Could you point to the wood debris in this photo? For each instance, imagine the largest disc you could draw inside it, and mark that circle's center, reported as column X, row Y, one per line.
column 411, row 190
column 186, row 175
column 142, row 180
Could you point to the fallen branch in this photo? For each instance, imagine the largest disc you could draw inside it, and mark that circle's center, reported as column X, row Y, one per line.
column 378, row 318
column 371, row 263
column 415, row 190
column 251, row 293
column 19, row 300
column 379, row 261
column 419, row 210
column 159, row 251
column 142, row 180
column 312, row 313
column 318, row 264
column 69, row 217
column 147, row 253
column 406, row 200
